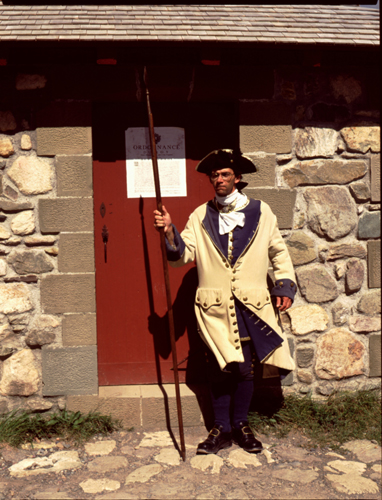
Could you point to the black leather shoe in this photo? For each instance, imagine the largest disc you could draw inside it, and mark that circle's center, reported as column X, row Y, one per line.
column 243, row 436
column 216, row 440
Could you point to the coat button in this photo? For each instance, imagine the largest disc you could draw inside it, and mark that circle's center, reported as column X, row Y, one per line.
column 205, row 304
column 231, row 298
column 245, row 298
column 233, row 288
column 237, row 340
column 227, row 265
column 217, row 300
column 234, row 323
column 258, row 304
column 237, row 347
column 233, row 279
column 267, row 298
column 231, row 307
column 234, row 271
column 281, row 283
column 232, row 314
column 235, row 331
column 292, row 284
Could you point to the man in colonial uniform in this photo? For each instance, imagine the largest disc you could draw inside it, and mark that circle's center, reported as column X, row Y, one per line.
column 233, row 239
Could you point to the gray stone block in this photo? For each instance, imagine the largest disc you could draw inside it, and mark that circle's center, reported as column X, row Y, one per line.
column 79, row 329
column 74, row 175
column 374, row 263
column 76, row 253
column 265, row 126
column 265, row 175
column 281, row 202
column 289, row 379
column 375, row 355
column 68, row 293
column 369, row 225
column 304, row 356
column 375, row 178
column 64, row 140
column 69, row 370
column 69, row 214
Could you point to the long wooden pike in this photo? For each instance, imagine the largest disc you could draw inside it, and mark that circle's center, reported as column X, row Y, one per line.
column 165, row 268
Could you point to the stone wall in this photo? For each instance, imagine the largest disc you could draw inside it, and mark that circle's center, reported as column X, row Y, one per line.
column 316, row 144
column 322, row 180
column 47, row 288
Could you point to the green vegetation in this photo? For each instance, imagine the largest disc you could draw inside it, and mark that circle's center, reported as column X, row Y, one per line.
column 342, row 417
column 18, row 427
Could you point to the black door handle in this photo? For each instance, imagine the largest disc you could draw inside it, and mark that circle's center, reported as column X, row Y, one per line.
column 105, row 239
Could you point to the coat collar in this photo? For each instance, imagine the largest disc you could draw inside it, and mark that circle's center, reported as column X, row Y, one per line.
column 211, row 222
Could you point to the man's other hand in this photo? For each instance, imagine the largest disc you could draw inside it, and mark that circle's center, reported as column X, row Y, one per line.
column 283, row 303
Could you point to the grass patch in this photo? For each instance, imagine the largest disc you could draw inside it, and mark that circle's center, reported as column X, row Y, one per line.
column 342, row 417
column 18, row 427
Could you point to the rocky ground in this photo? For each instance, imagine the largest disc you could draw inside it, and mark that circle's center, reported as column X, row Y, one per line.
column 140, row 465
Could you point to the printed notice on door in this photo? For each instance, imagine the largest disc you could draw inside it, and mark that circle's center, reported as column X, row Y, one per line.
column 171, row 154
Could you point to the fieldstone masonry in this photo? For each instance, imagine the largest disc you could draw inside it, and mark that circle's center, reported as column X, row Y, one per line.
column 47, row 268
column 321, row 178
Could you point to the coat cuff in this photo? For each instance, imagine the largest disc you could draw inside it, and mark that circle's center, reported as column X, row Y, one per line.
column 175, row 253
column 284, row 288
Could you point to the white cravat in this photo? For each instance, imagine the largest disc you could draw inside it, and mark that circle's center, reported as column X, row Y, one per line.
column 229, row 217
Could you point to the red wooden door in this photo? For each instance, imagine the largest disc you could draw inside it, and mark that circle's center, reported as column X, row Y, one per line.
column 133, row 343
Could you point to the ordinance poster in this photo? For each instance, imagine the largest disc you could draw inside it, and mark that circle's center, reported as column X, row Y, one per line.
column 171, row 153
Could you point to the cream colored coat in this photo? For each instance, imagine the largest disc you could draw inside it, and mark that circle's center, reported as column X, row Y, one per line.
column 246, row 280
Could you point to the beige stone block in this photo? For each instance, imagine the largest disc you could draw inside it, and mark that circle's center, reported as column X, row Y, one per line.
column 66, row 214
column 63, row 140
column 375, row 178
column 23, row 223
column 265, row 126
column 265, row 175
column 32, row 175
column 69, row 370
column 339, row 355
column 68, row 293
column 128, row 410
column 76, row 253
column 374, row 263
column 74, row 175
column 26, row 142
column 375, row 355
column 281, row 201
column 268, row 138
column 79, row 329
column 362, row 137
column 307, row 319
column 6, row 147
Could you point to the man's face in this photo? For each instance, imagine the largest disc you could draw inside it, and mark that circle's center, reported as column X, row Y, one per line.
column 224, row 181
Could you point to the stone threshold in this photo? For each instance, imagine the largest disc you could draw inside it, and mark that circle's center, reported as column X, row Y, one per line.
column 147, row 406
column 143, row 391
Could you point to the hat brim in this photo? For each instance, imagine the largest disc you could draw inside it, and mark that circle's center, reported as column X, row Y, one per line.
column 214, row 161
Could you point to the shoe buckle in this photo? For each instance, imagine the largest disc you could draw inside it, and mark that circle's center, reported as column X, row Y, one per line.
column 244, row 430
column 212, row 432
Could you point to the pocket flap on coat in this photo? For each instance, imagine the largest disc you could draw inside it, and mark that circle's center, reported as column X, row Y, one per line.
column 255, row 298
column 207, row 297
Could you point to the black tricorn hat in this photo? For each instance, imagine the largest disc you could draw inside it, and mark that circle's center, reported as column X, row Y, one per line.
column 226, row 158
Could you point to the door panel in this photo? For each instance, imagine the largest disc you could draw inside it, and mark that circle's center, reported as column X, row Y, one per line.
column 133, row 343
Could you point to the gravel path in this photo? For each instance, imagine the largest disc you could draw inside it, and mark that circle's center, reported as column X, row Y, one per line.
column 140, row 465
